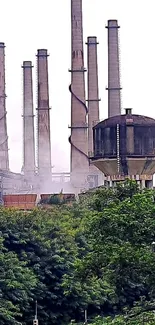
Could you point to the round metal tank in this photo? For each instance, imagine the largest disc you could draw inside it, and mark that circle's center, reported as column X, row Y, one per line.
column 125, row 145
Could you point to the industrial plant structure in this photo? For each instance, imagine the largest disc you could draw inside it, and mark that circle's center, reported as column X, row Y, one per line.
column 124, row 146
column 101, row 152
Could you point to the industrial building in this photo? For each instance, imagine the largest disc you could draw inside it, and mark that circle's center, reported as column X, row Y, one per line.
column 124, row 146
column 102, row 152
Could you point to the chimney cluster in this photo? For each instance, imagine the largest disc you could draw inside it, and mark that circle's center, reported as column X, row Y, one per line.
column 84, row 117
column 43, row 158
column 84, row 112
column 32, row 163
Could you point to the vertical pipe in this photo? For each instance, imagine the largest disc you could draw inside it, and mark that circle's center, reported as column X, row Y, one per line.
column 118, row 149
column 28, row 119
column 114, row 89
column 43, row 127
column 93, row 97
column 4, row 158
column 78, row 139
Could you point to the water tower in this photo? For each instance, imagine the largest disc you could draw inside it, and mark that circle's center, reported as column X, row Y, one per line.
column 124, row 146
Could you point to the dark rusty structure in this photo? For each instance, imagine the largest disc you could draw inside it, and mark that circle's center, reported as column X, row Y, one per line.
column 124, row 145
column 43, row 114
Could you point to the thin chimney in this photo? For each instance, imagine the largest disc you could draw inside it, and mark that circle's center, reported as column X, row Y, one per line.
column 93, row 90
column 78, row 139
column 95, row 177
column 28, row 119
column 114, row 89
column 4, row 157
column 43, row 110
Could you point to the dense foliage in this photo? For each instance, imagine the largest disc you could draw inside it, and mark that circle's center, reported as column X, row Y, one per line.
column 96, row 255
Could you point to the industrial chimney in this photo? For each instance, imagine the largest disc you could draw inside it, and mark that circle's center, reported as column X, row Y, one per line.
column 114, row 89
column 43, row 116
column 78, row 139
column 93, row 97
column 93, row 103
column 4, row 158
column 28, row 120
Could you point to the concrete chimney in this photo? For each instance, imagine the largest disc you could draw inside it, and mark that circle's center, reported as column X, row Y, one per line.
column 28, row 120
column 78, row 139
column 93, row 96
column 114, row 89
column 43, row 122
column 4, row 157
column 95, row 177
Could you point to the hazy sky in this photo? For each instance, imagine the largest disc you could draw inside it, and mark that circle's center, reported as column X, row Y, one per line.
column 28, row 25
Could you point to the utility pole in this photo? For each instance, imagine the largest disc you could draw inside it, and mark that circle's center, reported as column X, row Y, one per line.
column 85, row 316
column 35, row 321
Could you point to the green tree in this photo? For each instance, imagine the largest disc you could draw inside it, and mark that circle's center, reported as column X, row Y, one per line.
column 95, row 255
column 48, row 242
column 16, row 283
column 120, row 229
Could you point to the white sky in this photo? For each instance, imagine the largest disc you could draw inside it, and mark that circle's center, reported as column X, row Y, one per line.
column 28, row 25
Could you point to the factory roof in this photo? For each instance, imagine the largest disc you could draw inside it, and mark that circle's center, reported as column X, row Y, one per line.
column 126, row 119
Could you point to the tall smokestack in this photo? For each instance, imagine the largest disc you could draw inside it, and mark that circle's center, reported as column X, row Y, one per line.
column 4, row 158
column 114, row 96
column 78, row 139
column 93, row 96
column 43, row 123
column 95, row 178
column 28, row 119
